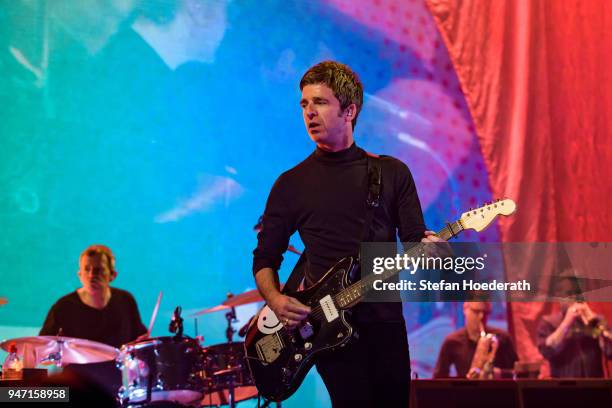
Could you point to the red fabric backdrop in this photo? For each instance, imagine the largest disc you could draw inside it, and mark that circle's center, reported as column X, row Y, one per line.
column 537, row 76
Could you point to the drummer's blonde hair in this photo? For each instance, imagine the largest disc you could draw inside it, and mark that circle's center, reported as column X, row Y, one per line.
column 99, row 249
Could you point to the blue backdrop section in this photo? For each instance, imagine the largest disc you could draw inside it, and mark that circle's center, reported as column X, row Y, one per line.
column 158, row 128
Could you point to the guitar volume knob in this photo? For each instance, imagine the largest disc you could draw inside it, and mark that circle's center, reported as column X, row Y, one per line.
column 297, row 357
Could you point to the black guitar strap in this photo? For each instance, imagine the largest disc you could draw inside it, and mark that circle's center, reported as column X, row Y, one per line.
column 372, row 202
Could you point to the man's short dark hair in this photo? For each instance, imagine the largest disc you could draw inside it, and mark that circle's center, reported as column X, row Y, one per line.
column 340, row 79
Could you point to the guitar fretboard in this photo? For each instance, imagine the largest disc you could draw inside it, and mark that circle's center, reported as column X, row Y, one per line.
column 355, row 293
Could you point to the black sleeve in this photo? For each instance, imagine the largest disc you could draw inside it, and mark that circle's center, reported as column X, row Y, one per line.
column 51, row 326
column 277, row 228
column 545, row 329
column 607, row 346
column 409, row 213
column 442, row 369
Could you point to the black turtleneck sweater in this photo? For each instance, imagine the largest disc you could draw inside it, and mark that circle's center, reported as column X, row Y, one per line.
column 324, row 199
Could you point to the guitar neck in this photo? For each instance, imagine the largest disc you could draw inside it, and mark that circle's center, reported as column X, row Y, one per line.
column 356, row 292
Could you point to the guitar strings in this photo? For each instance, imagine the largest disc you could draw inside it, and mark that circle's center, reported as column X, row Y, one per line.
column 446, row 233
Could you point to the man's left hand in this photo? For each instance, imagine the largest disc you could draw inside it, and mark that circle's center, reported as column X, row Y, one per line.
column 440, row 249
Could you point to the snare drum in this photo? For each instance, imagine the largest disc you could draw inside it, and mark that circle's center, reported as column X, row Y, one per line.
column 224, row 367
column 161, row 369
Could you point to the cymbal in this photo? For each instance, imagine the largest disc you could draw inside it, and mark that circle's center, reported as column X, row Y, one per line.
column 213, row 309
column 73, row 350
column 244, row 298
column 250, row 296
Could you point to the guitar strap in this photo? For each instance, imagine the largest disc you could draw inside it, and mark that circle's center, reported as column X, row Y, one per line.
column 372, row 202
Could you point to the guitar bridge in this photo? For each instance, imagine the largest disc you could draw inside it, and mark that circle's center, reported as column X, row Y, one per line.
column 269, row 348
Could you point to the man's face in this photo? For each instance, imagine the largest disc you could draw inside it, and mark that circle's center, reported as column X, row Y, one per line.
column 323, row 116
column 476, row 314
column 95, row 272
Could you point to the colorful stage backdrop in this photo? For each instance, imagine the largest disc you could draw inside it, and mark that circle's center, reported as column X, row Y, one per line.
column 158, row 128
column 537, row 81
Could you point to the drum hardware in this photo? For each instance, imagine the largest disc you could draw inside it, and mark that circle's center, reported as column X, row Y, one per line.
column 230, row 371
column 226, row 375
column 59, row 350
column 213, row 309
column 161, row 369
column 227, row 380
column 168, row 369
column 245, row 298
column 230, row 316
column 176, row 324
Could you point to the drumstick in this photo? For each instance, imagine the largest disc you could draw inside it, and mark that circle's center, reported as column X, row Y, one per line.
column 154, row 315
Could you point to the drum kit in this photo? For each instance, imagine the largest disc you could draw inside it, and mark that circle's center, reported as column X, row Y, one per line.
column 174, row 369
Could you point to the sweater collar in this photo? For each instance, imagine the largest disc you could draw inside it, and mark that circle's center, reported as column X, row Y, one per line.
column 349, row 154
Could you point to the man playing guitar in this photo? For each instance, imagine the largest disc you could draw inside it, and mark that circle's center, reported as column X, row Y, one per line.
column 324, row 199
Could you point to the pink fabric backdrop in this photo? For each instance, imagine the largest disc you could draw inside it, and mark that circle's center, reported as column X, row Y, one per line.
column 537, row 79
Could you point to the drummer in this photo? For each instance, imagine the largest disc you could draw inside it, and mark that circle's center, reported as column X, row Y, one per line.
column 95, row 311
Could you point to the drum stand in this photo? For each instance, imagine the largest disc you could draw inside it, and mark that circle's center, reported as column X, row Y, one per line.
column 229, row 331
column 229, row 334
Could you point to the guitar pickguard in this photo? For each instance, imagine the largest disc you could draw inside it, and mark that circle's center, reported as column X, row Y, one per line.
column 267, row 322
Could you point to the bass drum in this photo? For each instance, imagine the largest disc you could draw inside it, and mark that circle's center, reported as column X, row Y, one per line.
column 161, row 369
column 224, row 367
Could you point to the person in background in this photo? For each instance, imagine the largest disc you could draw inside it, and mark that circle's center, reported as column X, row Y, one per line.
column 459, row 347
column 95, row 311
column 574, row 339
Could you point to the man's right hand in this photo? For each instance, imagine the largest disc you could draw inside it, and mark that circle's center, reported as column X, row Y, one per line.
column 580, row 311
column 571, row 315
column 289, row 311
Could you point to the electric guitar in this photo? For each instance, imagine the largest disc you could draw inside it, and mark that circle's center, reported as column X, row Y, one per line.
column 279, row 358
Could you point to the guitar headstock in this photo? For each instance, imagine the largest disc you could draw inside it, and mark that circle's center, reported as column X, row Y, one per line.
column 479, row 218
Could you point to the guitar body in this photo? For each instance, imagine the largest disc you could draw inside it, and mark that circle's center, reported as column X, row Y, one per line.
column 279, row 358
